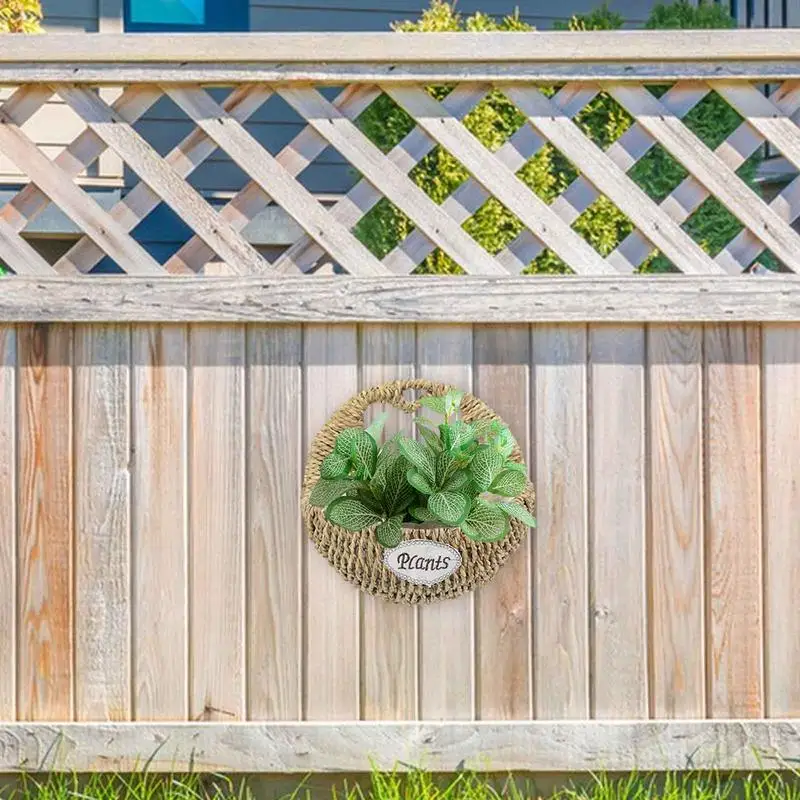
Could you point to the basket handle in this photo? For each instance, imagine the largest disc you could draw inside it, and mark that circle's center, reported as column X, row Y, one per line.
column 391, row 393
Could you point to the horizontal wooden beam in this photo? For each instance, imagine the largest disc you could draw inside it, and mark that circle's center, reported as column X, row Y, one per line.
column 647, row 746
column 400, row 299
column 409, row 48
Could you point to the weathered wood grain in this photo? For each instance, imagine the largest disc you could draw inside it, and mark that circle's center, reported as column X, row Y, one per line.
column 447, row 630
column 606, row 46
column 334, row 747
column 331, row 687
column 45, row 508
column 102, row 632
column 676, row 610
column 217, row 522
column 617, row 521
column 435, row 298
column 733, row 513
column 159, row 522
column 560, row 555
column 389, row 653
column 274, row 526
column 503, row 606
column 8, row 522
column 781, row 453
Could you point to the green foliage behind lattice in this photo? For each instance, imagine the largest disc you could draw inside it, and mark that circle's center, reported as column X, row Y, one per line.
column 548, row 173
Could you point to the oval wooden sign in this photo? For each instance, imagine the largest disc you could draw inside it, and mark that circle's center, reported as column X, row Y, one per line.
column 422, row 562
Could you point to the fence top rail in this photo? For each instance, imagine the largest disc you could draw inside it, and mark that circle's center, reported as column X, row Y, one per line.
column 598, row 47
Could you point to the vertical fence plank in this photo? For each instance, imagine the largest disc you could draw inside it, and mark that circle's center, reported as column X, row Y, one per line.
column 503, row 608
column 781, row 447
column 45, row 523
column 388, row 630
column 733, row 510
column 217, row 519
column 617, row 521
column 331, row 677
column 8, row 522
column 274, row 530
column 159, row 522
column 561, row 581
column 675, row 359
column 102, row 522
column 446, row 630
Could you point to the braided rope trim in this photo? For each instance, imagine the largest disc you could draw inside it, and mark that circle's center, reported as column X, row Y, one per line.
column 358, row 556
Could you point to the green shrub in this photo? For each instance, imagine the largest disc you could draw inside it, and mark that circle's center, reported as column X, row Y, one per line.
column 548, row 173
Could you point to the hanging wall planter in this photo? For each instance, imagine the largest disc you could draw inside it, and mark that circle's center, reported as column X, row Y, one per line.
column 417, row 520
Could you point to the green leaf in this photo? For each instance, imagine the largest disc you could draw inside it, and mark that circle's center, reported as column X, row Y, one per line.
column 430, row 436
column 326, row 491
column 449, row 507
column 509, row 483
column 485, row 466
column 344, row 441
column 434, row 402
column 365, row 455
column 458, row 482
column 390, row 533
column 335, row 465
column 419, row 457
column 485, row 522
column 452, row 402
column 423, row 514
column 518, row 512
column 445, row 464
column 516, row 467
column 376, row 428
column 419, row 482
column 351, row 514
column 456, row 435
column 397, row 493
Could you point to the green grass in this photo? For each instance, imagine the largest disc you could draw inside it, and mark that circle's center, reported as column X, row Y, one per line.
column 416, row 785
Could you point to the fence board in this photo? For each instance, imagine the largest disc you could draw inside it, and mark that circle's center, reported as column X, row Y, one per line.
column 447, row 630
column 217, row 520
column 389, row 657
column 733, row 513
column 331, row 645
column 102, row 523
column 45, row 498
column 8, row 521
column 781, row 453
column 676, row 591
column 274, row 532
column 617, row 521
column 561, row 556
column 503, row 607
column 159, row 522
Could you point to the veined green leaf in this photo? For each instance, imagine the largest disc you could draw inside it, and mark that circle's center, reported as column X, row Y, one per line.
column 397, row 493
column 365, row 455
column 423, row 514
column 458, row 482
column 419, row 457
column 516, row 466
column 519, row 512
column 326, row 491
column 452, row 402
column 509, row 483
column 434, row 402
column 419, row 482
column 430, row 436
column 449, row 507
column 485, row 522
column 344, row 441
column 335, row 465
column 485, row 466
column 376, row 428
column 390, row 533
column 456, row 435
column 445, row 464
column 351, row 514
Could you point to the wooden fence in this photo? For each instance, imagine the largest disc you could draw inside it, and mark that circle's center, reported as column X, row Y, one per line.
column 158, row 596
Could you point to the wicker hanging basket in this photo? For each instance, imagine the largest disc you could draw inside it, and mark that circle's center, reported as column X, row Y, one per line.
column 358, row 556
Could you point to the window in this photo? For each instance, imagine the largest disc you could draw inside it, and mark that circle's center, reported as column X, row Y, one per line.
column 187, row 16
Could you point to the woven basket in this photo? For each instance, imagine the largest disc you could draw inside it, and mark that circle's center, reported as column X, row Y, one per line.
column 358, row 556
